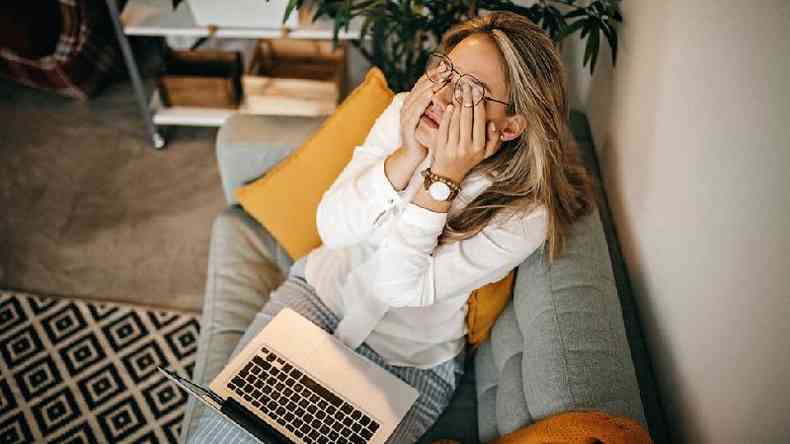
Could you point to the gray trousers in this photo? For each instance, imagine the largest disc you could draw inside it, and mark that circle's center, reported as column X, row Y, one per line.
column 245, row 265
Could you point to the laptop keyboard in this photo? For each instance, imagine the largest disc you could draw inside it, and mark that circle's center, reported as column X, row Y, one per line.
column 299, row 403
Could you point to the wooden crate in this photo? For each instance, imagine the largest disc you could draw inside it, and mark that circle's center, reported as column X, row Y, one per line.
column 201, row 79
column 294, row 77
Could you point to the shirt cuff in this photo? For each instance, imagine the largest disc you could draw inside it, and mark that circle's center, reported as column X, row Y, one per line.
column 382, row 190
column 424, row 218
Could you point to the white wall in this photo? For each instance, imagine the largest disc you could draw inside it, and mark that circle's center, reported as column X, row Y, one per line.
column 692, row 129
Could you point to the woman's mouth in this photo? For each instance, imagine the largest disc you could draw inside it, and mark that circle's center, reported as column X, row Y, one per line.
column 429, row 121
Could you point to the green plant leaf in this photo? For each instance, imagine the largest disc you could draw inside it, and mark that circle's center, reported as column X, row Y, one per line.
column 576, row 13
column 593, row 41
column 598, row 8
column 324, row 9
column 363, row 5
column 586, row 26
column 292, row 4
column 552, row 21
column 613, row 10
column 611, row 37
column 570, row 29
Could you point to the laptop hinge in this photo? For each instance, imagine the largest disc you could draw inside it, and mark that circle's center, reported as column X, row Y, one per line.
column 262, row 430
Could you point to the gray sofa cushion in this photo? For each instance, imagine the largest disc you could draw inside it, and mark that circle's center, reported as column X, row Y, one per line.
column 651, row 402
column 560, row 344
column 249, row 145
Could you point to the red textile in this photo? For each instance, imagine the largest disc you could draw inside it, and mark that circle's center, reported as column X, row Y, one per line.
column 85, row 53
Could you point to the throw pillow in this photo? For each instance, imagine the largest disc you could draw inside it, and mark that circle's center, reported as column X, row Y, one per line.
column 286, row 198
column 290, row 216
column 580, row 426
column 484, row 306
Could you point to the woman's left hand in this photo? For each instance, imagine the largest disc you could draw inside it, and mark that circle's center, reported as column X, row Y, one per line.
column 463, row 139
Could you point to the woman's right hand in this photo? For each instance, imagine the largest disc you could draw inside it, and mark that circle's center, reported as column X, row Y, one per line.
column 413, row 107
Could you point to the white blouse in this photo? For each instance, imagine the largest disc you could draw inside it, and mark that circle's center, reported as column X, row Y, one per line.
column 379, row 268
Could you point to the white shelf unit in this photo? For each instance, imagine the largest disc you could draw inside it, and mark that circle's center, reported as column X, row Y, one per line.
column 189, row 115
column 158, row 18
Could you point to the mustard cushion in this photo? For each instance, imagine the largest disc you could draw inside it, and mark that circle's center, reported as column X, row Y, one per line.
column 484, row 306
column 285, row 199
column 312, row 168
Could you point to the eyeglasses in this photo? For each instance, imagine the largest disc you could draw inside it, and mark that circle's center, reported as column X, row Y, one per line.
column 440, row 69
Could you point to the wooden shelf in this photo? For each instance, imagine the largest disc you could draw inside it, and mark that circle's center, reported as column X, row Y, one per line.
column 202, row 116
column 157, row 18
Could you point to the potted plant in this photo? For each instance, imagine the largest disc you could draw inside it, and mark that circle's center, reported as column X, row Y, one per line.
column 403, row 32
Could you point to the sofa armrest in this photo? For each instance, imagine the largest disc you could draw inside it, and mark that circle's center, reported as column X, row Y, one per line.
column 560, row 344
column 250, row 145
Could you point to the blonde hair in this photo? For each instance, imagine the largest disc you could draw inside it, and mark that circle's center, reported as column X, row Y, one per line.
column 542, row 166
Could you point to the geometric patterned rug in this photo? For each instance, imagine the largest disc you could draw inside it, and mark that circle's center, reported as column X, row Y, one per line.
column 80, row 372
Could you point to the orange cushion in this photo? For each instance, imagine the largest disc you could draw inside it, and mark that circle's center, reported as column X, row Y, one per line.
column 312, row 168
column 580, row 426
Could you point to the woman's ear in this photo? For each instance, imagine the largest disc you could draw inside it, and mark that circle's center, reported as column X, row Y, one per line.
column 514, row 126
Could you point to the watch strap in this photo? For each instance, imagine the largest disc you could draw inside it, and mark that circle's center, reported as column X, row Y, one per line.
column 431, row 177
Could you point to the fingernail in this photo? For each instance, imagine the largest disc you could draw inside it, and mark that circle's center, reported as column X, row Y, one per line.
column 449, row 107
column 491, row 127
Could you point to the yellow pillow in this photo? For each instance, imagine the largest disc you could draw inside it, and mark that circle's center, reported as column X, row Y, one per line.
column 484, row 306
column 286, row 198
column 290, row 216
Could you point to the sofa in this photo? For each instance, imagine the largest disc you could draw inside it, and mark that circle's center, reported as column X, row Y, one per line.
column 568, row 339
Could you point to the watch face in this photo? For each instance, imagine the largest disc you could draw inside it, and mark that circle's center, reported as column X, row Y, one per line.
column 439, row 191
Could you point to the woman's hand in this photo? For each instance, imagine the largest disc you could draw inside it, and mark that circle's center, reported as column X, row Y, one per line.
column 463, row 139
column 413, row 107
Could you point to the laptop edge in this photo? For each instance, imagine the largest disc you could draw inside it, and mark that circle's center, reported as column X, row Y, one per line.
column 232, row 410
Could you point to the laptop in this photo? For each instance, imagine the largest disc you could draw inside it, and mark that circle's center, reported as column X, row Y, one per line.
column 296, row 383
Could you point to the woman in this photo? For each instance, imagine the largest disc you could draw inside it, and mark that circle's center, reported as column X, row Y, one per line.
column 487, row 125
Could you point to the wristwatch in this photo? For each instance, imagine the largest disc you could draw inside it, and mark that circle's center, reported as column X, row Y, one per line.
column 440, row 188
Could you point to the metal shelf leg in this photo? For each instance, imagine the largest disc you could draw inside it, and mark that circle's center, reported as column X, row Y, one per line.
column 157, row 140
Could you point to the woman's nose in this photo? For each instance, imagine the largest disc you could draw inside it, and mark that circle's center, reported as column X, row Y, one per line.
column 442, row 94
